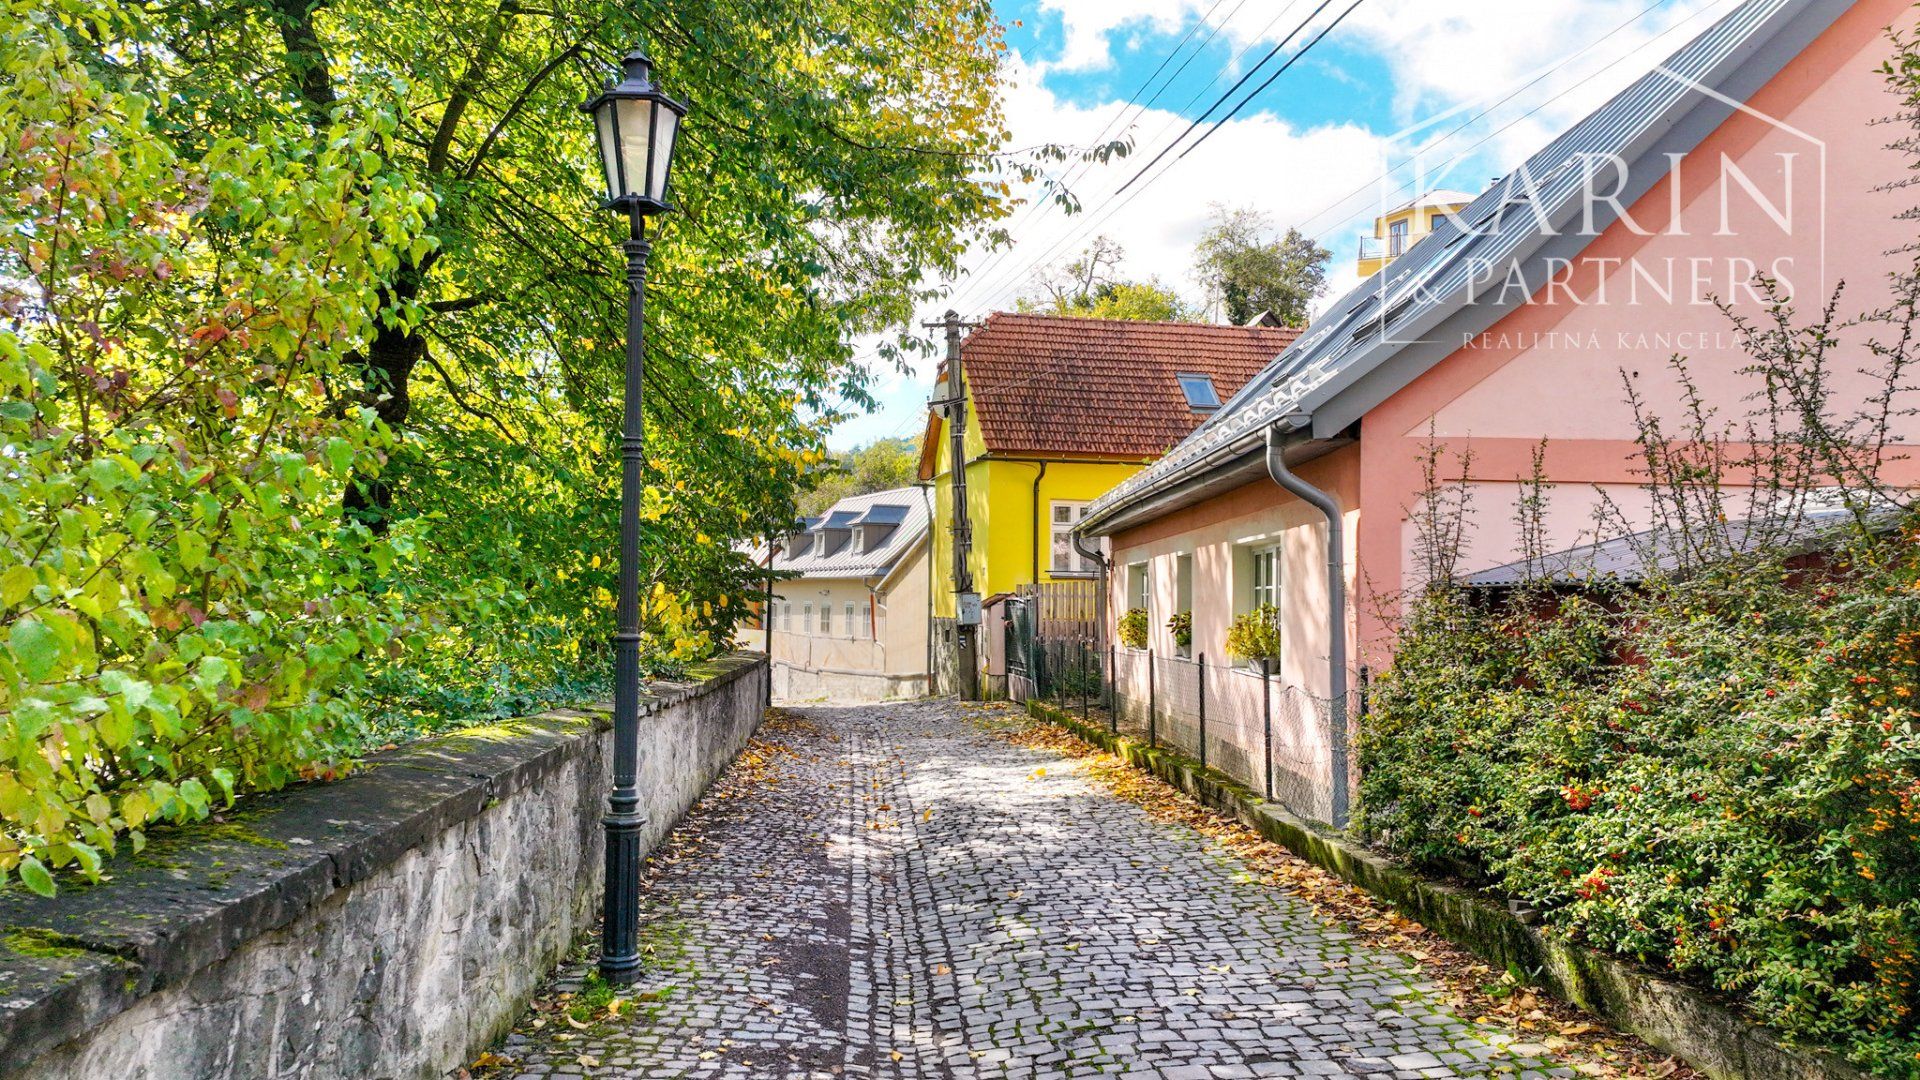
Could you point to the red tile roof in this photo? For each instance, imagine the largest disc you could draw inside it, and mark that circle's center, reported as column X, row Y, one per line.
column 1074, row 387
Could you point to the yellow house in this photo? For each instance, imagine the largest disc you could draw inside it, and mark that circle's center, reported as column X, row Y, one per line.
column 1400, row 228
column 1058, row 411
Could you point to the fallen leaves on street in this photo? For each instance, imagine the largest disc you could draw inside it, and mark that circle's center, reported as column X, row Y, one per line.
column 1475, row 991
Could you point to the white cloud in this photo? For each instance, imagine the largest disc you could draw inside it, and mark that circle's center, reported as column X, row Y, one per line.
column 1257, row 160
column 1089, row 25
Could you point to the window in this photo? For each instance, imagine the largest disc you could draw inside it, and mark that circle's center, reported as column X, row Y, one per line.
column 1066, row 558
column 1397, row 237
column 1137, row 586
column 1201, row 395
column 826, row 618
column 786, row 616
column 1266, row 577
column 866, row 622
column 848, row 612
column 1256, row 581
column 1183, row 599
column 806, row 616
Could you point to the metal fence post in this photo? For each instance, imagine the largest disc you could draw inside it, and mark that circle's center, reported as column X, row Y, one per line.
column 1113, row 692
column 1203, row 710
column 1037, row 666
column 1150, row 700
column 1266, row 717
column 1086, row 713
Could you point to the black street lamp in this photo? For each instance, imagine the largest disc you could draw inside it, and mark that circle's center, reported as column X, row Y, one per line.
column 635, row 124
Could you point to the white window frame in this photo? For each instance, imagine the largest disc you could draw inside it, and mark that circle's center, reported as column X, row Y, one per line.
column 826, row 618
column 847, row 611
column 1060, row 532
column 866, row 621
column 806, row 617
column 1267, row 591
column 1182, row 599
column 786, row 616
column 1140, row 587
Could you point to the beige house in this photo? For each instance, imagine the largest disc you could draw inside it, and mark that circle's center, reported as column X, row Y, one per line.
column 852, row 625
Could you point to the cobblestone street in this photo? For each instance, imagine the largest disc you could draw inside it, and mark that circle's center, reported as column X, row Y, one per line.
column 893, row 891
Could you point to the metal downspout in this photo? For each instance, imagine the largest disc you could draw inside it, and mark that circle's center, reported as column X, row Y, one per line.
column 1039, row 475
column 1336, row 611
column 1100, row 594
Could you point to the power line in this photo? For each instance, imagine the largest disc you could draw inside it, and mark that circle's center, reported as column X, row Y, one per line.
column 1108, row 214
column 1304, row 49
column 1221, row 100
column 1040, row 208
column 982, row 277
column 1509, row 96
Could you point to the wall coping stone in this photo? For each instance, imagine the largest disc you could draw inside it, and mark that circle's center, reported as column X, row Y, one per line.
column 71, row 962
column 1708, row 1032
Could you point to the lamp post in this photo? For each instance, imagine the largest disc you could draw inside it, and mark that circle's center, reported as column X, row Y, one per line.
column 635, row 124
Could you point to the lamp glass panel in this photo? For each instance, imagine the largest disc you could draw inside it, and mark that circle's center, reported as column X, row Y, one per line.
column 636, row 128
column 667, row 125
column 609, row 147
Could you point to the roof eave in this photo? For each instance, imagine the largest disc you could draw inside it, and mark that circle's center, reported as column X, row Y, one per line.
column 1236, row 465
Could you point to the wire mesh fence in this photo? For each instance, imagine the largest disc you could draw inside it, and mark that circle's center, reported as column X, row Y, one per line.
column 1268, row 734
column 1239, row 718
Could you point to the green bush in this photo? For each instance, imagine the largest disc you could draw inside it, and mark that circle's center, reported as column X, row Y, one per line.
column 185, row 609
column 1255, row 635
column 1180, row 626
column 1719, row 776
column 1133, row 628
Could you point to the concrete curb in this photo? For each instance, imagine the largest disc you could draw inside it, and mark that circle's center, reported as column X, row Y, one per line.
column 1706, row 1032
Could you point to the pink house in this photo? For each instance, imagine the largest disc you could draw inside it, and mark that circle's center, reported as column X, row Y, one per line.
column 1753, row 149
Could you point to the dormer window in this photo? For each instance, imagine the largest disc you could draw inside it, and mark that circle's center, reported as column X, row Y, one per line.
column 1200, row 392
column 876, row 526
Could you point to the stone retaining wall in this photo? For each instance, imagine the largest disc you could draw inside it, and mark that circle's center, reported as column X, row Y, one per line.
column 391, row 924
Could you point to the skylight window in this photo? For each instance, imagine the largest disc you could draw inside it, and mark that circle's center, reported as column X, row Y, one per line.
column 1201, row 396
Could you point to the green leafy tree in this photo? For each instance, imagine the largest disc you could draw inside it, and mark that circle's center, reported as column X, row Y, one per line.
column 878, row 466
column 838, row 156
column 187, row 609
column 311, row 338
column 1249, row 270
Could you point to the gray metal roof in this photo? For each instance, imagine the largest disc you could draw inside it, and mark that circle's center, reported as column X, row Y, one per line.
column 1661, row 552
column 842, row 561
column 886, row 514
column 1450, row 284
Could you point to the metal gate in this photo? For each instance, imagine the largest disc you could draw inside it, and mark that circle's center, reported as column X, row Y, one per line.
column 1053, row 643
column 1021, row 681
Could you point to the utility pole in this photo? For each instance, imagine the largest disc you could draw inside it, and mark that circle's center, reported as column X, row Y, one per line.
column 966, row 600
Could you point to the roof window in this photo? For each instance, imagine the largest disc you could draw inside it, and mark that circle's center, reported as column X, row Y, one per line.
column 1201, row 395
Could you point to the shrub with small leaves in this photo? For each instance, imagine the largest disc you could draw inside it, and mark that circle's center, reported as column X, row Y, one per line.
column 1180, row 625
column 1719, row 776
column 1255, row 635
column 1133, row 628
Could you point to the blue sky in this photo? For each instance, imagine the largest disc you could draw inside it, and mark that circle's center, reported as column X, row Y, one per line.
column 1352, row 127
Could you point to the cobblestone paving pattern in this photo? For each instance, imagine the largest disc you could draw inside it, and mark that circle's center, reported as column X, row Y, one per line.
column 891, row 891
